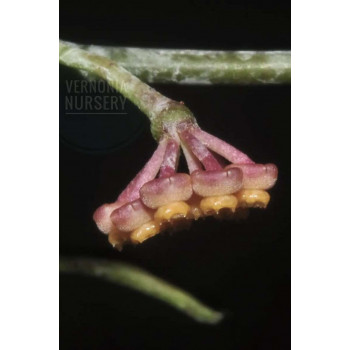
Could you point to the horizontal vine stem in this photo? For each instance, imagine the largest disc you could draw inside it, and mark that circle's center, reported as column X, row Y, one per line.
column 200, row 66
column 142, row 281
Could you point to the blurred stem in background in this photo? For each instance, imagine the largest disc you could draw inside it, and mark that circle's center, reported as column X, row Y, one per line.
column 142, row 281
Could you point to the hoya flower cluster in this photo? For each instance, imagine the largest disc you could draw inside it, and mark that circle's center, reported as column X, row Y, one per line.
column 221, row 181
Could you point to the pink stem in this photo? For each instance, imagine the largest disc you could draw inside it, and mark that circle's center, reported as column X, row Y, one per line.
column 221, row 147
column 200, row 151
column 148, row 173
column 192, row 162
column 170, row 160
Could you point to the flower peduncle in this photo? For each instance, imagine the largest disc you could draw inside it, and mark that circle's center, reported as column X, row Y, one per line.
column 148, row 173
column 170, row 160
column 200, row 151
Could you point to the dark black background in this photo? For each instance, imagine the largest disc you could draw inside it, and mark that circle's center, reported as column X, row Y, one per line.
column 241, row 268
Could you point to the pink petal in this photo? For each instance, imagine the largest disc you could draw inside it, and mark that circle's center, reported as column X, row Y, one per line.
column 166, row 190
column 257, row 176
column 216, row 183
column 131, row 216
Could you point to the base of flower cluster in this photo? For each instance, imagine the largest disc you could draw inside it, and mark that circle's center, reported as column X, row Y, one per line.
column 177, row 215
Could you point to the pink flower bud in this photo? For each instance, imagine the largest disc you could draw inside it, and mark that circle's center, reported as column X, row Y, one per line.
column 102, row 217
column 166, row 190
column 257, row 176
column 216, row 182
column 131, row 216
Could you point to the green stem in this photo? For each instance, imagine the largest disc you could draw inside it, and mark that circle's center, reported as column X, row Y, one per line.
column 199, row 66
column 144, row 282
column 157, row 107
